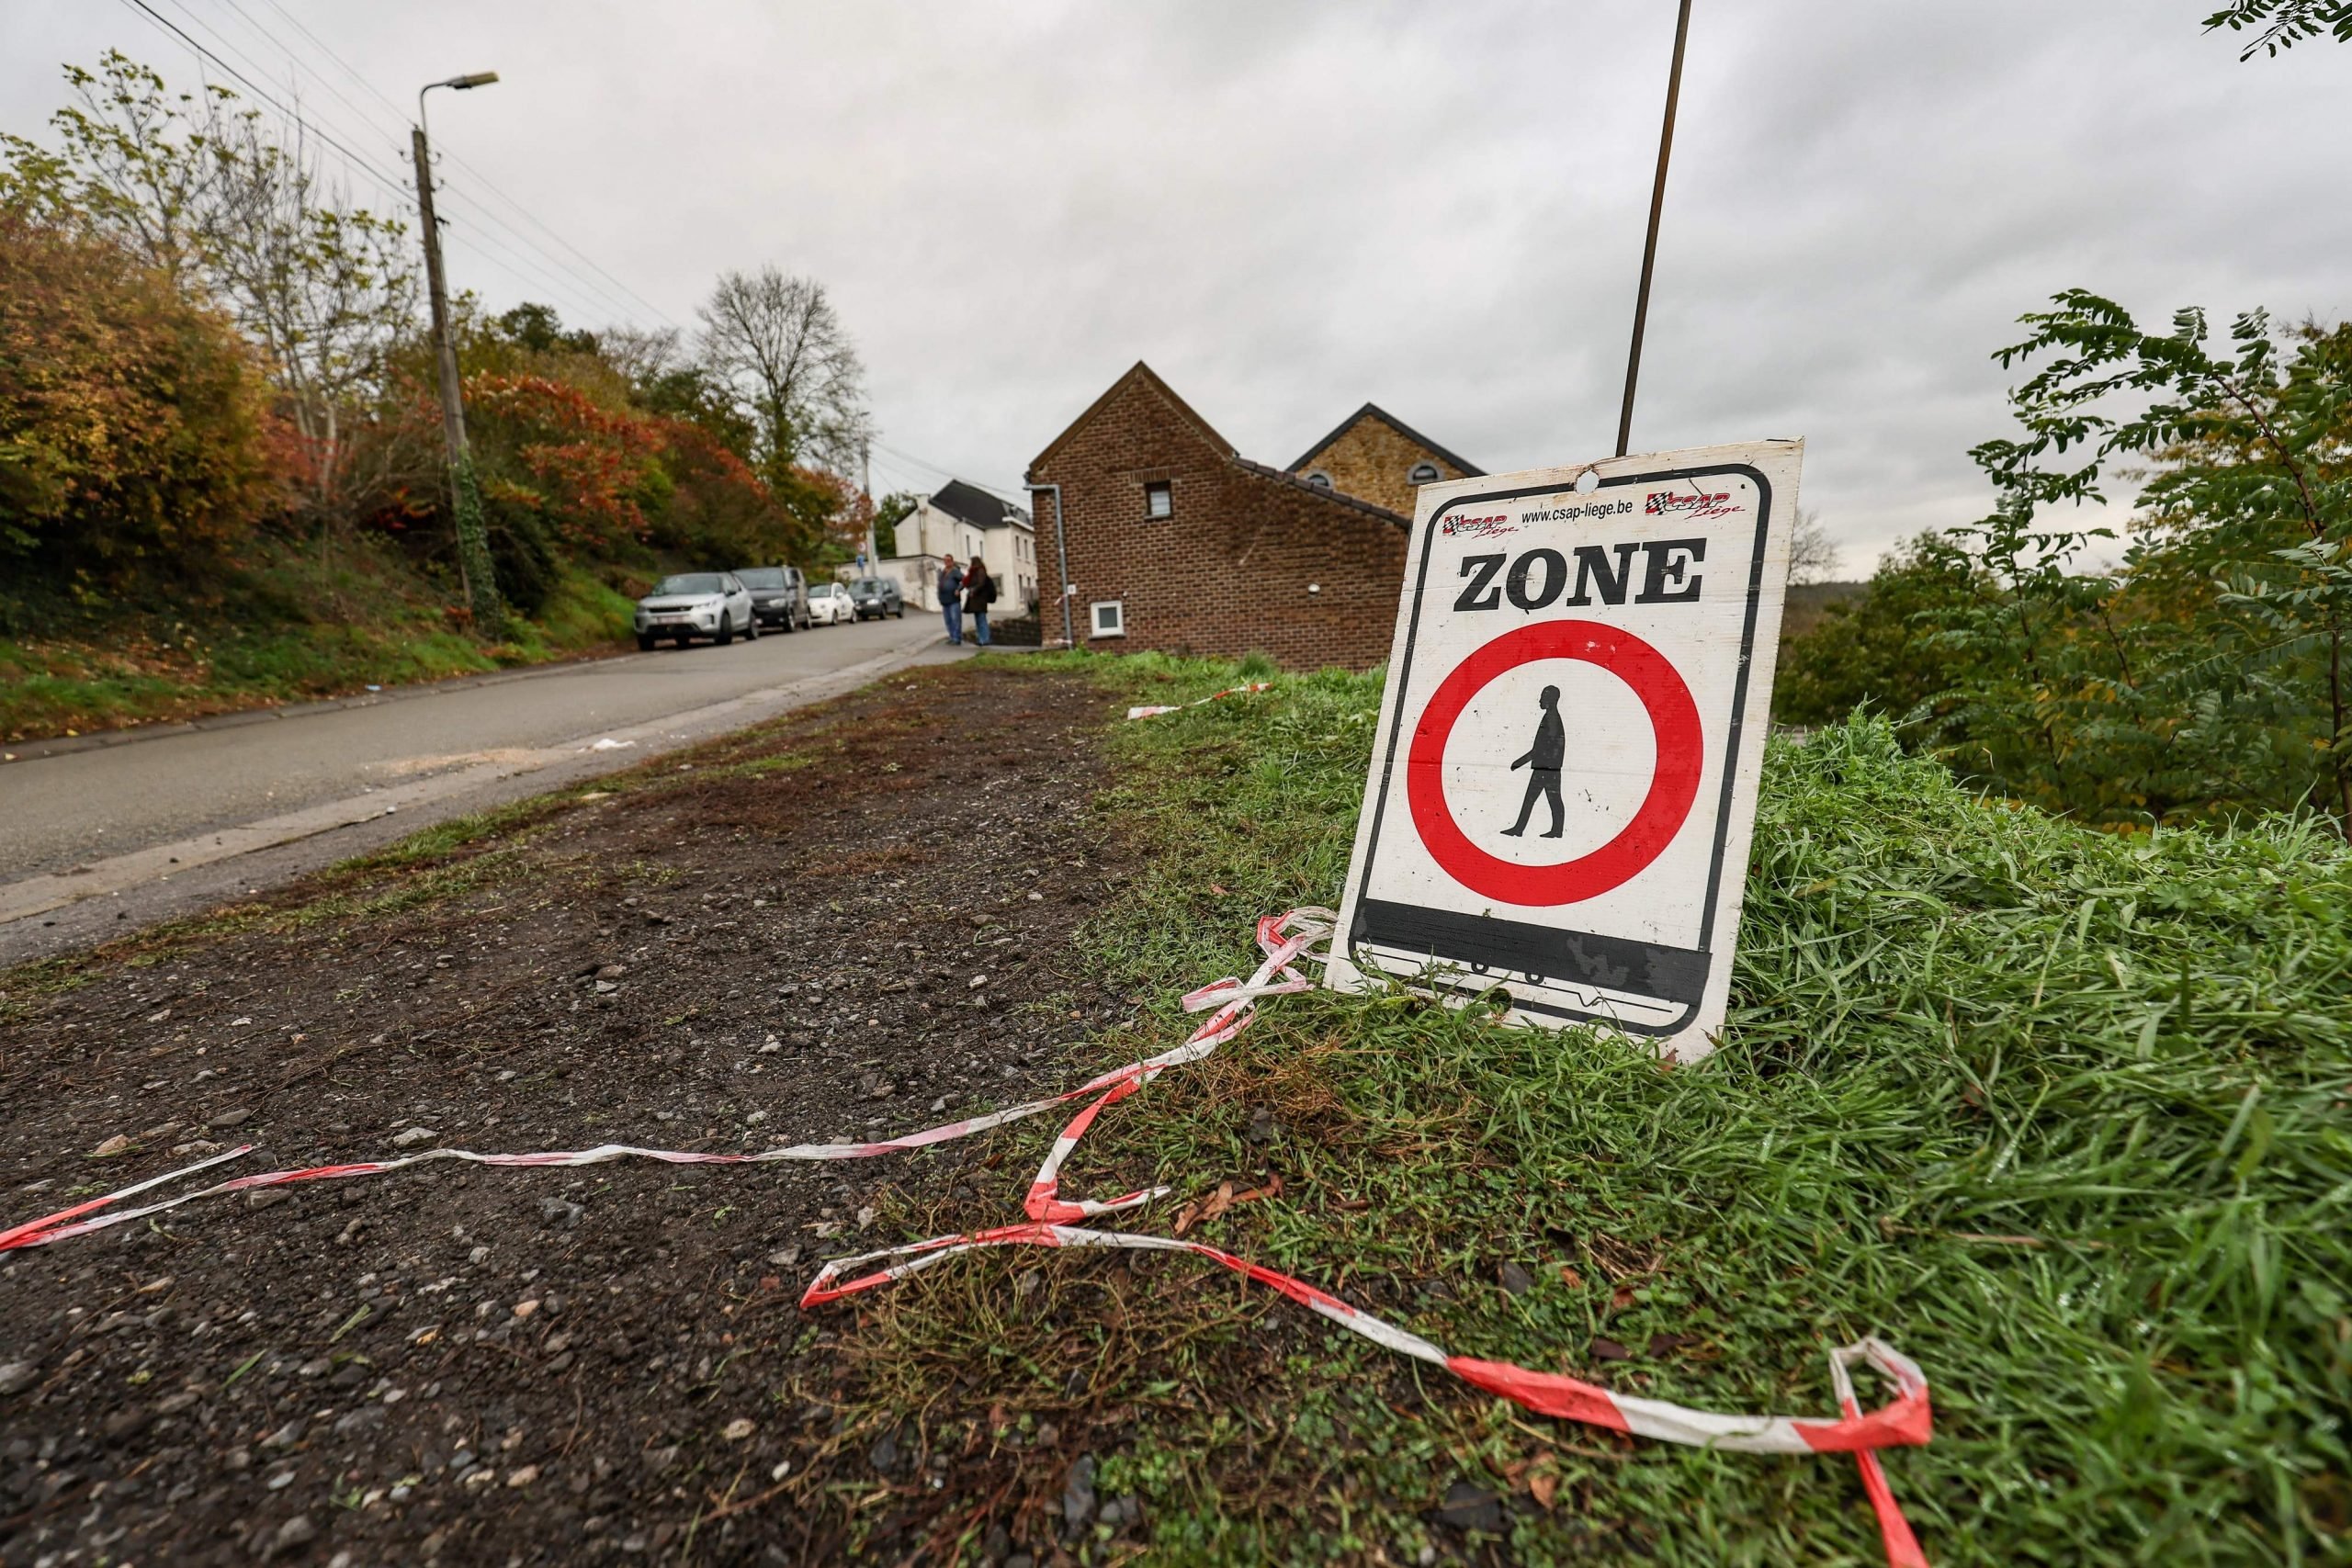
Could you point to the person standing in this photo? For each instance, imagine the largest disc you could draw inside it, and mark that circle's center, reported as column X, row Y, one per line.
column 951, row 586
column 979, row 592
column 1543, row 762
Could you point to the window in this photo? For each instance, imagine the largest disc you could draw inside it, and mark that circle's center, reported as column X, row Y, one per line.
column 1319, row 478
column 1424, row 474
column 1110, row 617
column 1159, row 500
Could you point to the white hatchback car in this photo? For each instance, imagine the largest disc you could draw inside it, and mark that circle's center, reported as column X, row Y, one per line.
column 692, row 605
column 829, row 605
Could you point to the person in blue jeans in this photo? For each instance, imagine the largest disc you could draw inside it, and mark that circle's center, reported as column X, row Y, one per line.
column 951, row 587
column 979, row 592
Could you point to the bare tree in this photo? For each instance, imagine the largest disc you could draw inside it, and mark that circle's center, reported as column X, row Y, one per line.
column 641, row 354
column 1812, row 554
column 778, row 344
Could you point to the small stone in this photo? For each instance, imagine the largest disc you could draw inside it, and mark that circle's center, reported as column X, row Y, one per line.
column 612, row 971
column 409, row 1137
column 784, row 1257
column 561, row 1210
column 978, row 981
column 112, row 1147
column 237, row 1460
column 1077, row 1493
column 884, row 1455
column 605, row 987
column 525, row 1309
column 735, row 1431
column 235, row 1117
column 1468, row 1509
column 296, row 1531
column 524, row 1476
column 997, row 1545
column 17, row 1376
column 1515, row 1280
column 263, row 1197
column 474, row 1480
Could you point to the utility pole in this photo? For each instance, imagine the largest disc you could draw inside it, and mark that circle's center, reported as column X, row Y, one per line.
column 1649, row 246
column 866, row 486
column 475, row 574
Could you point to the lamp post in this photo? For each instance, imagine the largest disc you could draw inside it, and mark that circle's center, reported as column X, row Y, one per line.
column 474, row 571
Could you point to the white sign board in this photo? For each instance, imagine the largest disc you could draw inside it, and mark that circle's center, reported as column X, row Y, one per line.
column 1563, row 779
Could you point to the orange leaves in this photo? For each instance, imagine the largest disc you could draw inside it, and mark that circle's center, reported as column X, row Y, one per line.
column 1222, row 1200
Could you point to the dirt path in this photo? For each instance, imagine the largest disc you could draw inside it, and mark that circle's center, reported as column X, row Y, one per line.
column 781, row 939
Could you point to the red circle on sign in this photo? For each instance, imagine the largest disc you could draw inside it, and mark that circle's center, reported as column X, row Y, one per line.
column 1681, row 750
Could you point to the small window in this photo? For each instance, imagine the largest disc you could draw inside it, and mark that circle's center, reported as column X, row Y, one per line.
column 1159, row 500
column 1319, row 478
column 1424, row 474
column 1110, row 617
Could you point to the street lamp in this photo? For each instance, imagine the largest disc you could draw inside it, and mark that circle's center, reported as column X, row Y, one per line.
column 474, row 571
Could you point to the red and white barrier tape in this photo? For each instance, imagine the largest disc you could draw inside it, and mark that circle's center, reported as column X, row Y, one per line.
column 1154, row 711
column 1301, row 936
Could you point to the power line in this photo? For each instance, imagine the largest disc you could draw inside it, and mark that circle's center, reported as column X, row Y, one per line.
column 523, row 212
column 949, row 473
column 354, row 159
column 600, row 301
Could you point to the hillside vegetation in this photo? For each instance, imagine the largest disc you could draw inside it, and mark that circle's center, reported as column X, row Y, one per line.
column 222, row 473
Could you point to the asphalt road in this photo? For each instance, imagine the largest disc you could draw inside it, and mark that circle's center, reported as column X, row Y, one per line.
column 115, row 821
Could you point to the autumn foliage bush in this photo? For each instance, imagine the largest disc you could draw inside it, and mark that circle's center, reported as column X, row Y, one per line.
column 134, row 421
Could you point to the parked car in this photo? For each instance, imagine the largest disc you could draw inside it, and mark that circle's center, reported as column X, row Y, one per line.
column 829, row 605
column 877, row 597
column 779, row 595
column 696, row 603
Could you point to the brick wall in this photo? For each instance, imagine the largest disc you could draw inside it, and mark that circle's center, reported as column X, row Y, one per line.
column 1229, row 572
column 1371, row 458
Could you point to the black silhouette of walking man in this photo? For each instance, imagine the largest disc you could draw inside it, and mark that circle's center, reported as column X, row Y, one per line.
column 1542, row 764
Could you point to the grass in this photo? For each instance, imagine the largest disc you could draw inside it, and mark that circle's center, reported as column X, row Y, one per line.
column 287, row 628
column 2065, row 1115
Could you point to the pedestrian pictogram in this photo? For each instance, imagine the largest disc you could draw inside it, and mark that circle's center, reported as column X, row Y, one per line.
column 1563, row 777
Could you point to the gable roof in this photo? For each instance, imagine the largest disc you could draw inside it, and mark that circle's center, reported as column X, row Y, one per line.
column 1149, row 378
column 1354, row 503
column 970, row 503
column 1469, row 470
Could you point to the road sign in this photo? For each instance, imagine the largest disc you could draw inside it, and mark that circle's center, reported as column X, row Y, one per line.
column 1563, row 779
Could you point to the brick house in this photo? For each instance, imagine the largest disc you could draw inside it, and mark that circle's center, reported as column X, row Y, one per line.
column 1378, row 458
column 1177, row 542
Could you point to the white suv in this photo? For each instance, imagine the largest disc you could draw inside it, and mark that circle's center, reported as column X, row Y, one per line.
column 696, row 604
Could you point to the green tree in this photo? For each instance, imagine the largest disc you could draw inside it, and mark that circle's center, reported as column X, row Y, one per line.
column 2210, row 674
column 2279, row 25
column 1886, row 649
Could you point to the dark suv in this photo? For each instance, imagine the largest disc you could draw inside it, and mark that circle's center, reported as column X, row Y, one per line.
column 779, row 595
column 877, row 597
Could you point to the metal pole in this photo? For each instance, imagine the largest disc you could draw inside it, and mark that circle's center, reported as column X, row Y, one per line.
column 1061, row 562
column 1649, row 246
column 866, row 484
column 475, row 574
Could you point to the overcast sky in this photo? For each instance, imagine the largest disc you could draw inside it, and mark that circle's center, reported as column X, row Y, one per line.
column 1288, row 209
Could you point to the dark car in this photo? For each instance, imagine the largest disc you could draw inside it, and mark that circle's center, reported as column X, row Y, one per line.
column 876, row 597
column 779, row 595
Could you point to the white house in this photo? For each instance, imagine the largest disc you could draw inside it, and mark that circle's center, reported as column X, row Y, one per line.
column 965, row 521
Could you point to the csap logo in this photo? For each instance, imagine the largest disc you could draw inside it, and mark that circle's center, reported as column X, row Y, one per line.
column 1666, row 503
column 1478, row 527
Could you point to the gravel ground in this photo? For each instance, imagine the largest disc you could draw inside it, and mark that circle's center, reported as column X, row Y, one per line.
column 849, row 923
